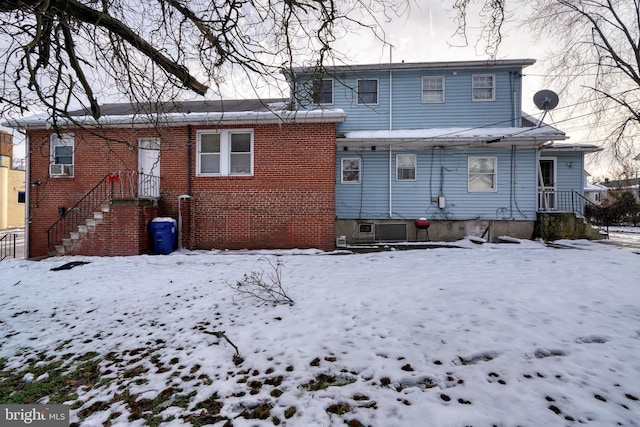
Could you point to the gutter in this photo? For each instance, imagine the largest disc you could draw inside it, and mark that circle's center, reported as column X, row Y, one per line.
column 27, row 195
column 210, row 118
column 415, row 143
column 420, row 65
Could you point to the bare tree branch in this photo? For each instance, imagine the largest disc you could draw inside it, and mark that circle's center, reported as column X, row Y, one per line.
column 61, row 54
column 595, row 59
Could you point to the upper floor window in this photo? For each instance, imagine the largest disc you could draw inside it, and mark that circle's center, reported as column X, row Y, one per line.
column 350, row 170
column 482, row 174
column 483, row 87
column 322, row 91
column 62, row 149
column 225, row 153
column 432, row 90
column 368, row 91
column 406, row 167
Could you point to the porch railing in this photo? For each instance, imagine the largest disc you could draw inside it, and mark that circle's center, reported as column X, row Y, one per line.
column 115, row 186
column 8, row 246
column 569, row 201
column 561, row 201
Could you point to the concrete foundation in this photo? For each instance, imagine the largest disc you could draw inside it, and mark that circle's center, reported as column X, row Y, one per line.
column 367, row 231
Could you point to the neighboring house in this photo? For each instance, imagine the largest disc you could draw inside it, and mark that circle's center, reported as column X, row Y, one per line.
column 361, row 152
column 594, row 193
column 617, row 186
column 12, row 186
column 442, row 141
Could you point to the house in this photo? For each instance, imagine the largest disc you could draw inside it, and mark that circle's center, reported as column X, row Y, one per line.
column 593, row 192
column 617, row 186
column 444, row 141
column 365, row 153
column 239, row 174
column 12, row 186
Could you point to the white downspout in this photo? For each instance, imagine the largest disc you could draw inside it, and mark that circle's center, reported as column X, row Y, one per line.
column 390, row 128
column 390, row 183
column 27, row 195
column 390, row 99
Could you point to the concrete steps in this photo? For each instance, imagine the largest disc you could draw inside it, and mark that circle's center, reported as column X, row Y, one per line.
column 90, row 226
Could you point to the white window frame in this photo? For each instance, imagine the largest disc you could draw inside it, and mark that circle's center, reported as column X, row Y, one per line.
column 431, row 90
column 225, row 151
column 475, row 87
column 358, row 92
column 415, row 167
column 64, row 140
column 494, row 174
column 323, row 82
column 343, row 170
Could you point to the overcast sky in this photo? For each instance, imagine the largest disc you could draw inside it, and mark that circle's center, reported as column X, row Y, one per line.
column 425, row 33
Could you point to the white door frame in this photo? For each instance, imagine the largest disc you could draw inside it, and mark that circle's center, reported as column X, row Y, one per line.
column 547, row 197
column 149, row 168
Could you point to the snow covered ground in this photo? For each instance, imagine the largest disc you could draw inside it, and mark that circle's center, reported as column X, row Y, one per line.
column 492, row 334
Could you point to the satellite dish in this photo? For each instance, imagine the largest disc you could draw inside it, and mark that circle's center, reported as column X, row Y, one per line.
column 546, row 100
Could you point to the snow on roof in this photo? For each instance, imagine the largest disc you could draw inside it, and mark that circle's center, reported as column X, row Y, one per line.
column 435, row 136
column 195, row 112
column 568, row 146
column 545, row 132
column 594, row 187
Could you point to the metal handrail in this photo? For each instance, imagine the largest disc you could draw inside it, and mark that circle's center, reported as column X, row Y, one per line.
column 569, row 201
column 116, row 185
column 8, row 246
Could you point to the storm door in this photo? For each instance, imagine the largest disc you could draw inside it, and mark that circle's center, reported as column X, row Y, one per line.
column 148, row 168
column 547, row 200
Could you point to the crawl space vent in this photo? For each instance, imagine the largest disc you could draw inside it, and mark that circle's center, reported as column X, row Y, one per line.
column 391, row 232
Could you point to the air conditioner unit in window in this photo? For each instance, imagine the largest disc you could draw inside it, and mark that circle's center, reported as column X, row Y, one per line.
column 59, row 170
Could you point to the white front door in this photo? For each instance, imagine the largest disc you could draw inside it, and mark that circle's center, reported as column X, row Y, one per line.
column 547, row 184
column 149, row 168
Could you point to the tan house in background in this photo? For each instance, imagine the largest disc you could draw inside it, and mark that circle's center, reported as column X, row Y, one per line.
column 12, row 186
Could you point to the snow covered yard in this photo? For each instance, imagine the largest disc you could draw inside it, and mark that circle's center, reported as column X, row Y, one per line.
column 506, row 335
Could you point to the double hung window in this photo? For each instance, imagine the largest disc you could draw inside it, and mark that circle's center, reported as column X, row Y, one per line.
column 482, row 174
column 322, row 91
column 432, row 90
column 406, row 167
column 62, row 150
column 350, row 170
column 225, row 153
column 483, row 87
column 368, row 91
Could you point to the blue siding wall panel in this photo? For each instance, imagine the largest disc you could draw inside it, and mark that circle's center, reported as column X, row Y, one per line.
column 409, row 112
column 440, row 172
column 569, row 169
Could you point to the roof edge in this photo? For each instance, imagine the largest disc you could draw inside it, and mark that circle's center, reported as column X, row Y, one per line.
column 169, row 119
column 420, row 65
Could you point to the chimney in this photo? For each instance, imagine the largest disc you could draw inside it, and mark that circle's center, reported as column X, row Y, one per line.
column 6, row 144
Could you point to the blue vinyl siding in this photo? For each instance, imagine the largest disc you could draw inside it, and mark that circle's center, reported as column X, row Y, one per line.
column 409, row 112
column 371, row 117
column 569, row 170
column 439, row 173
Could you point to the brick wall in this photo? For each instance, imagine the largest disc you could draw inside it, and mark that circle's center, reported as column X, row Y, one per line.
column 288, row 202
column 123, row 231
